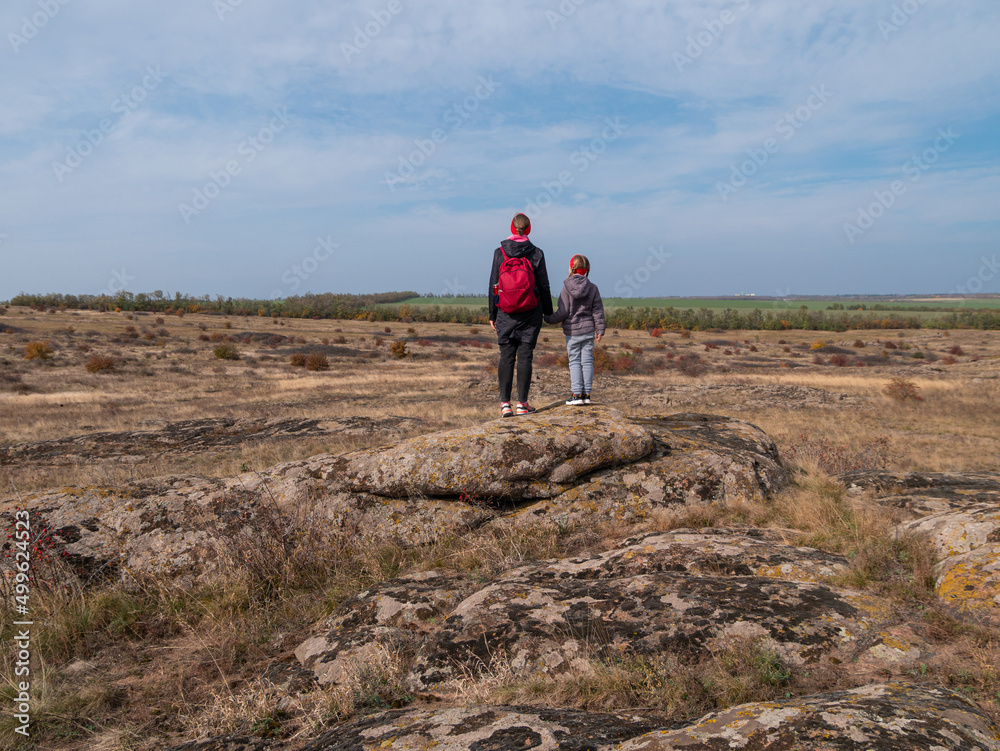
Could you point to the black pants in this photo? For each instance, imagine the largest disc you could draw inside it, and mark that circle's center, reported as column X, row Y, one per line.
column 523, row 353
column 517, row 335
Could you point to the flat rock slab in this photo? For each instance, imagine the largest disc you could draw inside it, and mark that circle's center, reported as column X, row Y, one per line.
column 484, row 729
column 960, row 531
column 400, row 612
column 886, row 717
column 535, row 456
column 684, row 593
column 901, row 482
column 198, row 435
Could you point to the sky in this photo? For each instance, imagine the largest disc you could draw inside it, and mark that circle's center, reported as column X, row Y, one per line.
column 261, row 149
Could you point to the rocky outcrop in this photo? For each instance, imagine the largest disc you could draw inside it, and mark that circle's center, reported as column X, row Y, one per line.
column 574, row 463
column 960, row 514
column 683, row 593
column 893, row 717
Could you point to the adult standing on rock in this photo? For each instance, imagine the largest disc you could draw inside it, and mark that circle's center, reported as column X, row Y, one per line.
column 519, row 297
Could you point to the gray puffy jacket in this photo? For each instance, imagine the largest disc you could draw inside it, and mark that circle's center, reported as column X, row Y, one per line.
column 580, row 310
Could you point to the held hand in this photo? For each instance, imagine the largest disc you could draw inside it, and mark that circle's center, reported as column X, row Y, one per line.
column 493, row 325
column 598, row 338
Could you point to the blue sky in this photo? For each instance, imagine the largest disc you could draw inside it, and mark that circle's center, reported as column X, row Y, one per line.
column 263, row 149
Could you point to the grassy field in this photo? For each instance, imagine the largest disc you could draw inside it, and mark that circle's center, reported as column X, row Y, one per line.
column 742, row 303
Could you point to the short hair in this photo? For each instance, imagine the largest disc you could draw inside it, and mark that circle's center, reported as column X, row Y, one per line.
column 521, row 223
column 579, row 262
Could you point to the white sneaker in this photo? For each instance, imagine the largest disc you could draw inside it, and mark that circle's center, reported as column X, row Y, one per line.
column 575, row 400
column 585, row 399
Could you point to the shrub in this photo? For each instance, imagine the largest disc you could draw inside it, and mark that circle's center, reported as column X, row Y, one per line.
column 625, row 362
column 340, row 340
column 97, row 363
column 411, row 331
column 203, row 337
column 817, row 360
column 298, row 360
column 226, row 352
column 399, row 349
column 424, row 342
column 838, row 360
column 903, row 390
column 38, row 351
column 891, row 345
column 691, row 365
column 858, row 344
column 949, row 360
column 956, row 350
column 818, row 344
column 317, row 361
column 387, row 330
column 656, row 333
column 160, row 321
column 379, row 341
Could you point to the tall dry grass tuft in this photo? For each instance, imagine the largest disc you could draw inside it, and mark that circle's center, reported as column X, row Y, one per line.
column 738, row 670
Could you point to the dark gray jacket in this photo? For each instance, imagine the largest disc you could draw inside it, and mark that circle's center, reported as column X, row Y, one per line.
column 581, row 310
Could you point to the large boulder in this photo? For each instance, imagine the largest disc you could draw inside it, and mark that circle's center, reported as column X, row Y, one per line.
column 503, row 460
column 696, row 459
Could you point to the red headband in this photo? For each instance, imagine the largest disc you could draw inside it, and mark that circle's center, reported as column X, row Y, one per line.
column 527, row 230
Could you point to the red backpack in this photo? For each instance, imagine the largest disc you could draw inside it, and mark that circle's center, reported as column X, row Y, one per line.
column 516, row 285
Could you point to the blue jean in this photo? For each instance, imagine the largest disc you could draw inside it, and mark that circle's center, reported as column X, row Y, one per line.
column 581, row 362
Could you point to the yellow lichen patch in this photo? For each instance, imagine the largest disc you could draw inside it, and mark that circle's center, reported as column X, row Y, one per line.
column 971, row 582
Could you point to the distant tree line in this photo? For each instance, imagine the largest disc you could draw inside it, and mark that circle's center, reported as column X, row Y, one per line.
column 390, row 306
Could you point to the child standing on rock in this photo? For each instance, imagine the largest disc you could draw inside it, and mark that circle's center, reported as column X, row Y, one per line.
column 581, row 312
